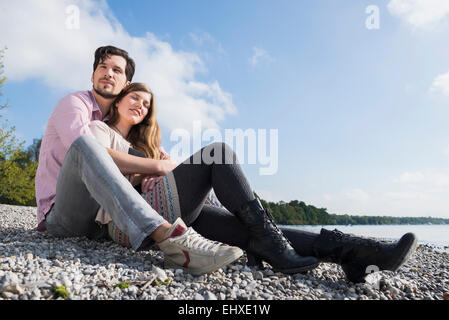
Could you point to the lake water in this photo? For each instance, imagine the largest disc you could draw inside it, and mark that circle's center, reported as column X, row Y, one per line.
column 437, row 235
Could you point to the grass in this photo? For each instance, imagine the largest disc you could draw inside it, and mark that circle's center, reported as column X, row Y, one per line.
column 61, row 291
column 122, row 285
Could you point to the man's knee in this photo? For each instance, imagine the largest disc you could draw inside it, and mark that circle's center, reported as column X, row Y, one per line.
column 85, row 144
column 84, row 148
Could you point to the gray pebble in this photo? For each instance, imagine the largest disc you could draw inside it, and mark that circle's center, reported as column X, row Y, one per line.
column 32, row 263
column 161, row 274
column 197, row 296
column 210, row 296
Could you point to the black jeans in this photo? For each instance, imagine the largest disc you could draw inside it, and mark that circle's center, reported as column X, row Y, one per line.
column 195, row 177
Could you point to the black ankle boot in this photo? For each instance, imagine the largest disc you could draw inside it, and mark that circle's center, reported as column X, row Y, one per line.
column 356, row 254
column 268, row 243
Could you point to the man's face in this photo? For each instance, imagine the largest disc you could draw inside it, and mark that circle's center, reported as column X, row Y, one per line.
column 110, row 78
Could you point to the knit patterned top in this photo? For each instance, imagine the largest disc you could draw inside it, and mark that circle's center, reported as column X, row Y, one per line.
column 162, row 197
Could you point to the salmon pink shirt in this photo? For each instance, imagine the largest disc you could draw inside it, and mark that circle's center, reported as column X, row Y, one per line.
column 69, row 120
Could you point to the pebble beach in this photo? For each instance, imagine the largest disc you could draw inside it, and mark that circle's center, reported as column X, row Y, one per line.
column 38, row 266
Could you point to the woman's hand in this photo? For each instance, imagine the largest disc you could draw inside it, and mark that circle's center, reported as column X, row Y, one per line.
column 148, row 183
column 168, row 166
column 165, row 156
column 135, row 179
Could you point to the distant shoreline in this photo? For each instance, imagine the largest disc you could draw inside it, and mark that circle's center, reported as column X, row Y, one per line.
column 299, row 213
column 434, row 235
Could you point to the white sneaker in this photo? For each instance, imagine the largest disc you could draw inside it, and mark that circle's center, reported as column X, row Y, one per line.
column 187, row 249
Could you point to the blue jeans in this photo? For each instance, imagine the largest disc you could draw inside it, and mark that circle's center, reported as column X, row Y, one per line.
column 88, row 179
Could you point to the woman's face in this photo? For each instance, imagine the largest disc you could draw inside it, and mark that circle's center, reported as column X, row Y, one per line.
column 134, row 107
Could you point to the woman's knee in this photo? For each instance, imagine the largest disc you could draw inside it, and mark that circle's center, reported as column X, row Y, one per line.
column 219, row 153
column 220, row 145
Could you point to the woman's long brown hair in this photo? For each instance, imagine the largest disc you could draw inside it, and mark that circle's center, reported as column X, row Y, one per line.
column 145, row 136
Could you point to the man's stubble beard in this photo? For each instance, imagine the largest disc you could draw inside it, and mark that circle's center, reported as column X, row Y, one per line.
column 105, row 95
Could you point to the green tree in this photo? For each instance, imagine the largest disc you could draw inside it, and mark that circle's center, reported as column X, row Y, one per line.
column 17, row 171
column 2, row 77
column 17, row 166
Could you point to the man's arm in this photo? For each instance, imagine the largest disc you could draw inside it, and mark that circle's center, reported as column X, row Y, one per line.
column 71, row 119
column 129, row 164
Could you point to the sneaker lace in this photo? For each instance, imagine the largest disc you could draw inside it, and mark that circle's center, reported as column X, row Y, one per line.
column 193, row 240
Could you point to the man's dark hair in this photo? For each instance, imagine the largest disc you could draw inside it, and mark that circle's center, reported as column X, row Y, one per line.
column 103, row 53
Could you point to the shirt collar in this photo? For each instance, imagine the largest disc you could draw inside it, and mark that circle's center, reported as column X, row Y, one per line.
column 96, row 108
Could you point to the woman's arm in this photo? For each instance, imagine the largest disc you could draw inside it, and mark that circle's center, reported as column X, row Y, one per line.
column 129, row 164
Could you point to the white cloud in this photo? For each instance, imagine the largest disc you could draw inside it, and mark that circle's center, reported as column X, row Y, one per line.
column 328, row 197
column 410, row 194
column 424, row 15
column 420, row 14
column 41, row 47
column 357, row 195
column 407, row 196
column 421, row 193
column 429, row 181
column 441, row 84
column 410, row 178
column 205, row 40
column 201, row 38
column 260, row 56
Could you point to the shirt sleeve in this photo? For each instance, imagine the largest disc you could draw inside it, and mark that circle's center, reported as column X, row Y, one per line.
column 101, row 133
column 71, row 118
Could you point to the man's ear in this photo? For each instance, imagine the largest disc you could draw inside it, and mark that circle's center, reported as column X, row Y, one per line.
column 92, row 78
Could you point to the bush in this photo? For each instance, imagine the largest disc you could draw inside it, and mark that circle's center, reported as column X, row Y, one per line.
column 17, row 167
column 17, row 170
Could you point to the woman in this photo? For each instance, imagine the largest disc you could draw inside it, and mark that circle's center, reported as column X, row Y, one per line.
column 244, row 222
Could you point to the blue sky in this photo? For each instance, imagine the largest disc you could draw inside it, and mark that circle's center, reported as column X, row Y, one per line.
column 361, row 113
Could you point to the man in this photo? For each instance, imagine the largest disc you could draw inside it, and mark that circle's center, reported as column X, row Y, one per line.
column 76, row 175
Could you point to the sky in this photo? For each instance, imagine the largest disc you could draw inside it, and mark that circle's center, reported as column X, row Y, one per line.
column 346, row 101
